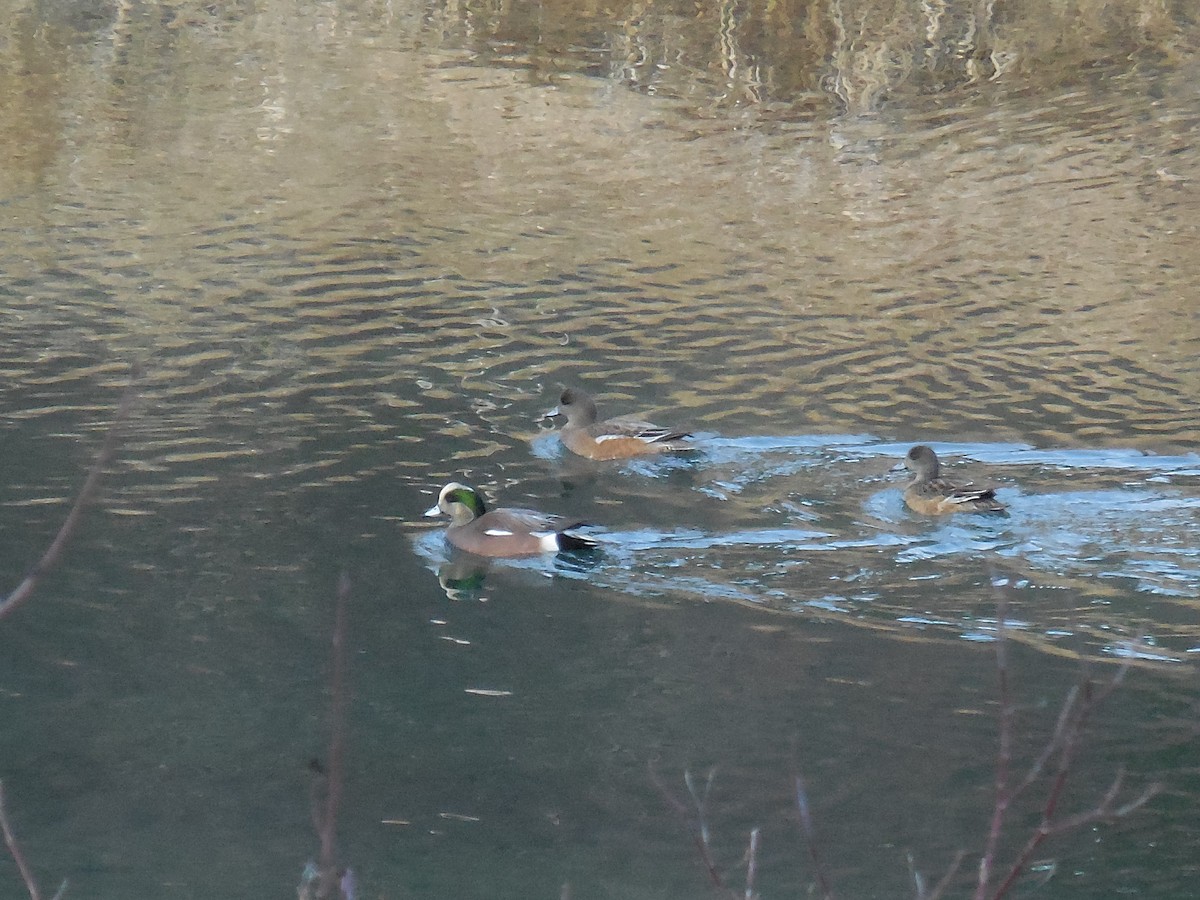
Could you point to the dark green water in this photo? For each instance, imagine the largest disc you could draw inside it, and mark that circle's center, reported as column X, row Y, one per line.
column 356, row 249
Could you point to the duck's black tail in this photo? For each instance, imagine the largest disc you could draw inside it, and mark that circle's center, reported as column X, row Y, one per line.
column 569, row 541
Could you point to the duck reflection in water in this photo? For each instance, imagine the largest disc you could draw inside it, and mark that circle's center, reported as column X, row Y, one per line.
column 479, row 536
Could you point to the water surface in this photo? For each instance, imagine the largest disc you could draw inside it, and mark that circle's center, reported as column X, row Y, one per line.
column 355, row 250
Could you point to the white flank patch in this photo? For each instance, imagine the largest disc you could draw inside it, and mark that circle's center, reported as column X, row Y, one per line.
column 547, row 540
column 498, row 532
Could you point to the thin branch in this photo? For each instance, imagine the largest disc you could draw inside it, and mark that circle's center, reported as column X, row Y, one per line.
column 1151, row 791
column 810, row 838
column 1063, row 727
column 674, row 802
column 699, row 828
column 1104, row 811
column 15, row 852
column 752, row 862
column 1113, row 683
column 1003, row 797
column 942, row 886
column 917, row 877
column 697, row 825
column 26, row 588
column 325, row 815
column 1065, row 742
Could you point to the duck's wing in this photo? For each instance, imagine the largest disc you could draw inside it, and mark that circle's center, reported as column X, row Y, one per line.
column 967, row 493
column 503, row 522
column 626, row 428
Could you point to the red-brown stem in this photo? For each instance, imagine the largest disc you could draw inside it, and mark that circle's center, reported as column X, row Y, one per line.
column 1003, row 756
column 337, row 745
column 752, row 863
column 1073, row 717
column 674, row 802
column 710, row 865
column 810, row 838
column 700, row 828
column 1044, row 828
column 15, row 851
column 1102, row 812
column 944, row 884
column 696, row 826
column 1063, row 730
column 26, row 588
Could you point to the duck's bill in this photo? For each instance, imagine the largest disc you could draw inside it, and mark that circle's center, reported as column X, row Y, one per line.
column 552, row 413
column 432, row 511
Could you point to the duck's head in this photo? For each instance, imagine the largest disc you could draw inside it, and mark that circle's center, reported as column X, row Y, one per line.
column 460, row 502
column 922, row 462
column 576, row 404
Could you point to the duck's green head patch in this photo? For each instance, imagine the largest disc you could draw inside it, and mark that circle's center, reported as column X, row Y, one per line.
column 468, row 497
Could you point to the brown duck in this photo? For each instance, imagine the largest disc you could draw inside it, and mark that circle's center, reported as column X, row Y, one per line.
column 932, row 495
column 619, row 438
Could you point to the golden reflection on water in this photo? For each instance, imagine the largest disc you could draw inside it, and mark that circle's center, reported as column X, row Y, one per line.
column 805, row 58
column 415, row 248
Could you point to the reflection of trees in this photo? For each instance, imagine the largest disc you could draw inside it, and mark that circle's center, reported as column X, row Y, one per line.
column 851, row 54
column 841, row 55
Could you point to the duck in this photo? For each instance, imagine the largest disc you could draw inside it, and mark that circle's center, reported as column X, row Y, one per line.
column 503, row 532
column 932, row 495
column 618, row 438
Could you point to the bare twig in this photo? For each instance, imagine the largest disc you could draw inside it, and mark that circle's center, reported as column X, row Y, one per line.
column 14, row 851
column 810, row 838
column 1052, row 767
column 1104, row 811
column 1003, row 754
column 337, row 743
column 752, row 862
column 330, row 881
column 1064, row 744
column 942, row 886
column 917, row 877
column 26, row 588
column 698, row 827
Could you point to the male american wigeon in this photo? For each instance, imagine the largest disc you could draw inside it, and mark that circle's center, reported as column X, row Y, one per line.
column 934, row 496
column 619, row 438
column 503, row 532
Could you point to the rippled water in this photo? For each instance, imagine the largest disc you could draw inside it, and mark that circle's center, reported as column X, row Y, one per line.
column 355, row 250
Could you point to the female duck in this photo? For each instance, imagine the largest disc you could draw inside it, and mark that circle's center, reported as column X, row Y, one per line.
column 934, row 496
column 619, row 438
